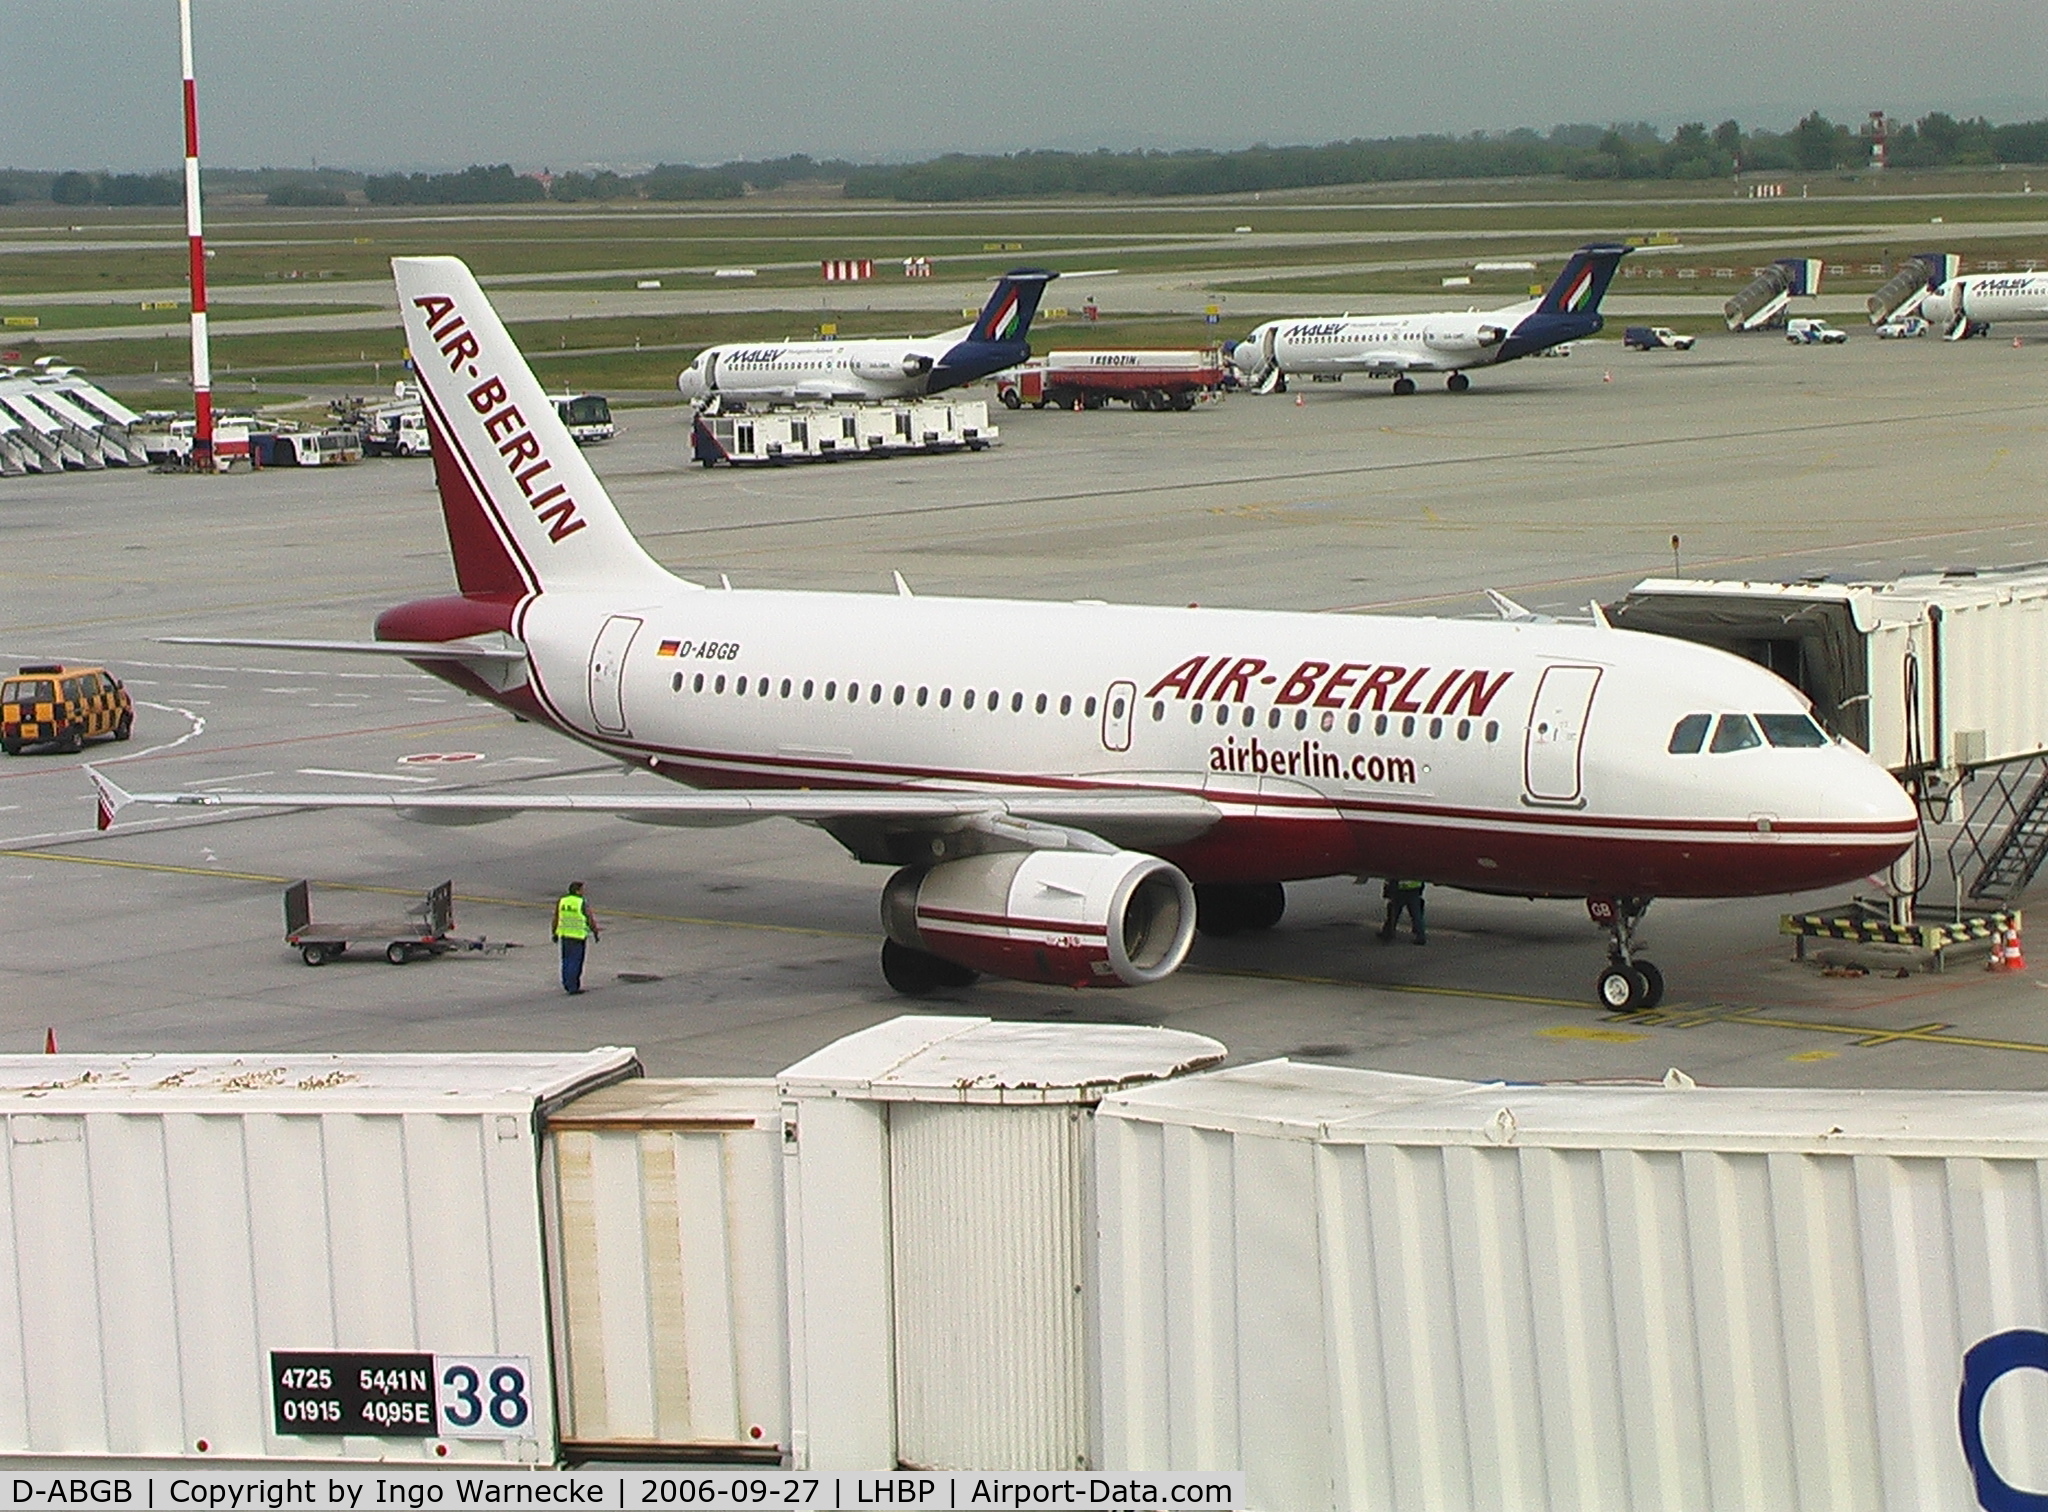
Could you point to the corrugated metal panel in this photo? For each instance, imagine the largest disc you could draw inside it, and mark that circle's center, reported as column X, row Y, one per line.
column 168, row 1222
column 1510, row 1297
column 667, row 1216
column 987, row 1224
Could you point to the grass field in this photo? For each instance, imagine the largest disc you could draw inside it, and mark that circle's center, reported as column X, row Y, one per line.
column 1397, row 239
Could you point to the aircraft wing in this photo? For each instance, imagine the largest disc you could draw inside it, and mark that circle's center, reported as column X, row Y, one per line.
column 1014, row 819
column 503, row 649
column 1385, row 364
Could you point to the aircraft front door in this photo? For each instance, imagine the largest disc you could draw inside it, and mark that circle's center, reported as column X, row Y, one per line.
column 1557, row 731
column 1118, row 708
column 607, row 674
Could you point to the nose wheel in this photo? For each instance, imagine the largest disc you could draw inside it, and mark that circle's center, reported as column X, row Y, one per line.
column 1630, row 982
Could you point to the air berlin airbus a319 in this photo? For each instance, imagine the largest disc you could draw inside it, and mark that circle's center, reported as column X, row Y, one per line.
column 1065, row 790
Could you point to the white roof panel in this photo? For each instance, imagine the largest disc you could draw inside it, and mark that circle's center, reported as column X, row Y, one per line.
column 296, row 1082
column 943, row 1058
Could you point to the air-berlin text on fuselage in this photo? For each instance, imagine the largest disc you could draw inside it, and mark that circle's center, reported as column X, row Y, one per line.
column 503, row 423
column 1381, row 686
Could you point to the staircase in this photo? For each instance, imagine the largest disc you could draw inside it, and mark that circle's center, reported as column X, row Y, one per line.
column 2005, row 839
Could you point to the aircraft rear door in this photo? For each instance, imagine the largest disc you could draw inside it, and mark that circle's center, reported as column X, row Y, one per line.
column 1557, row 731
column 607, row 673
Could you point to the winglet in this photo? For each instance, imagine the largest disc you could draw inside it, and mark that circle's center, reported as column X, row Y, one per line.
column 1600, row 620
column 1507, row 608
column 902, row 588
column 112, row 799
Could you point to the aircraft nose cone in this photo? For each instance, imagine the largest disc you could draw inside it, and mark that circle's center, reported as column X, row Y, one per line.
column 689, row 384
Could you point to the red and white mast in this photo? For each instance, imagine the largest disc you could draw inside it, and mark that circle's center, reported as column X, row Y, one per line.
column 202, row 360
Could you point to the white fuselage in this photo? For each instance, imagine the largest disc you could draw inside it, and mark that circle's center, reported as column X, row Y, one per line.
column 1524, row 757
column 1381, row 346
column 789, row 371
column 1986, row 299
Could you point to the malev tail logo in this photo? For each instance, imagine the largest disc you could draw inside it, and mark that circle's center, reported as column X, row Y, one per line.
column 1004, row 323
column 1582, row 286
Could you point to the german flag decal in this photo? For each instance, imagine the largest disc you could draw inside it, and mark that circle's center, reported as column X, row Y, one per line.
column 670, row 648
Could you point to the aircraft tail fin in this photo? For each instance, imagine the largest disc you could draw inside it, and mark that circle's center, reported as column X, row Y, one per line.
column 523, row 508
column 1007, row 315
column 1583, row 283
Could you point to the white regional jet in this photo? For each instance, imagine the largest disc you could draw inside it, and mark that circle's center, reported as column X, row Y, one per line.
column 1969, row 305
column 1064, row 789
column 873, row 367
column 1447, row 341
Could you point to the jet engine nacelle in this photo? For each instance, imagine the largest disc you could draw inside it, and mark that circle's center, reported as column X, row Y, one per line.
column 1066, row 918
column 1478, row 339
column 887, row 370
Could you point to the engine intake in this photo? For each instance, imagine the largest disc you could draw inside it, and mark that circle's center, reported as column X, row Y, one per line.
column 1066, row 918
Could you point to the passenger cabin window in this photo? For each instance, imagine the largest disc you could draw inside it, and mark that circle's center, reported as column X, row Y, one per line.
column 1689, row 734
column 1797, row 731
column 1734, row 733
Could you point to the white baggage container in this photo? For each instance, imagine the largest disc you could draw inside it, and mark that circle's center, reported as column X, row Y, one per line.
column 170, row 1224
column 939, row 1241
column 1938, row 672
column 1369, row 1291
column 665, row 1232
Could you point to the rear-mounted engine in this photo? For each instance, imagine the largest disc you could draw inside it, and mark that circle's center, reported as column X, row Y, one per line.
column 1068, row 918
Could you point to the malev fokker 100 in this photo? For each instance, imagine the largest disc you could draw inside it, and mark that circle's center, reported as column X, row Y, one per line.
column 1448, row 341
column 1066, row 792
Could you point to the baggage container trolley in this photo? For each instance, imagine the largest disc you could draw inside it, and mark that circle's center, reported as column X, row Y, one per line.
column 424, row 931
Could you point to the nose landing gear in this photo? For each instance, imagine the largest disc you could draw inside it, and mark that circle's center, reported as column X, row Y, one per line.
column 1630, row 982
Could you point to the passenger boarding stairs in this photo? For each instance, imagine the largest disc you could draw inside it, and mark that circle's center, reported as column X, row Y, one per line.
column 1911, row 279
column 2004, row 840
column 1761, row 303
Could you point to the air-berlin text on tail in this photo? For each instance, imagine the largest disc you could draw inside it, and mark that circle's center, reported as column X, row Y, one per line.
column 1340, row 685
column 503, row 423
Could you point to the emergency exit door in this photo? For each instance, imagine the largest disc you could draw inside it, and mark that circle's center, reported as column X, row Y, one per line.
column 1118, row 705
column 607, row 674
column 1552, row 751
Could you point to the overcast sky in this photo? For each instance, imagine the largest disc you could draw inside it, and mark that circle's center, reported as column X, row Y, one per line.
column 378, row 84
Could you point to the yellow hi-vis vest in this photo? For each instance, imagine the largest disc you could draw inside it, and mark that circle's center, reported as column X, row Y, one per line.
column 569, row 921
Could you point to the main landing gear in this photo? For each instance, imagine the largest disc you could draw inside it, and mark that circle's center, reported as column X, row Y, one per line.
column 1228, row 908
column 1404, row 386
column 1630, row 982
column 1457, row 383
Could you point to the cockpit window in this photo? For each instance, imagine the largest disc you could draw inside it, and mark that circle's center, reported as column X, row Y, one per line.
column 1734, row 733
column 1689, row 734
column 1796, row 730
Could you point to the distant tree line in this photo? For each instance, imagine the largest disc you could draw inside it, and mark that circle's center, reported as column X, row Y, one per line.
column 1630, row 150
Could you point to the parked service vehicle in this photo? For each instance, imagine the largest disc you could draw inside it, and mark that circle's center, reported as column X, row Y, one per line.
column 1143, row 379
column 396, row 432
column 1648, row 338
column 1900, row 326
column 588, row 416
column 51, row 704
column 1803, row 331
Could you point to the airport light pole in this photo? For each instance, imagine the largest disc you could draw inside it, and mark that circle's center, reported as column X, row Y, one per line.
column 202, row 360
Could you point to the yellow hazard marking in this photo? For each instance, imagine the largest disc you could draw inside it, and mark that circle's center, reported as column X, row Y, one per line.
column 1581, row 1032
column 1814, row 1055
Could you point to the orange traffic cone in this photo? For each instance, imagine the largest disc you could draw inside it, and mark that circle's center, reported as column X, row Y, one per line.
column 1997, row 961
column 1298, row 399
column 2015, row 958
column 1607, row 377
column 50, row 1041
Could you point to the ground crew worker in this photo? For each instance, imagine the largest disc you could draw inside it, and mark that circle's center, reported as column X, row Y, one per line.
column 1403, row 896
column 575, row 928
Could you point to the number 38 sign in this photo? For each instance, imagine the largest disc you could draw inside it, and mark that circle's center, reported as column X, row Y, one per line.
column 315, row 1394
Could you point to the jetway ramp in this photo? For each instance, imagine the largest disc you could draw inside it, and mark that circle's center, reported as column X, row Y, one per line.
column 1761, row 303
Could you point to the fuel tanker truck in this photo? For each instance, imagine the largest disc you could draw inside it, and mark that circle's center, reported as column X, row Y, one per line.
column 1143, row 379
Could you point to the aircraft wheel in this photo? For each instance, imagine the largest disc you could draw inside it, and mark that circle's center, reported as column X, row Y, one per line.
column 1263, row 904
column 1621, row 988
column 1218, row 909
column 1404, row 386
column 1653, row 982
column 1457, row 383
column 916, row 972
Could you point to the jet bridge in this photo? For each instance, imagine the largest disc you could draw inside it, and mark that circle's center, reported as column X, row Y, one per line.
column 1760, row 304
column 1942, row 677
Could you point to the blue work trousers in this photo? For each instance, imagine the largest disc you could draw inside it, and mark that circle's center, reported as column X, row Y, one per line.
column 572, row 964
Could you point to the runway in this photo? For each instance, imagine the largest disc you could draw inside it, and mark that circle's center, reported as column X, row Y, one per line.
column 738, row 951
